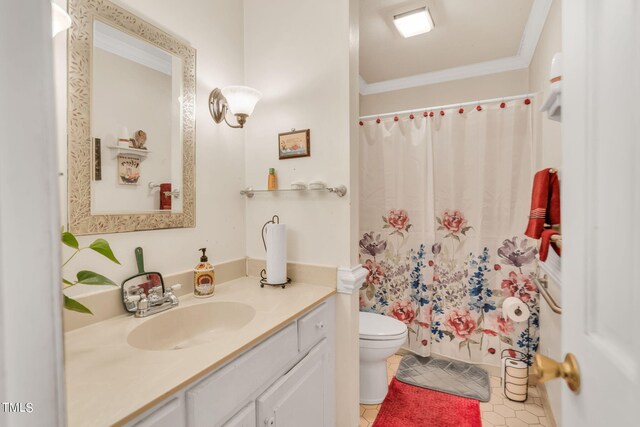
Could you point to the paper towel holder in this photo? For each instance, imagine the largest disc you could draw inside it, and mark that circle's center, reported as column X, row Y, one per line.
column 263, row 274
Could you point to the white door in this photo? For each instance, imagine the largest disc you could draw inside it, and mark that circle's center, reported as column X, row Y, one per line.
column 31, row 353
column 298, row 398
column 601, row 210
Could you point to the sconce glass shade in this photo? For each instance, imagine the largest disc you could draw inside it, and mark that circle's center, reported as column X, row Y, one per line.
column 60, row 19
column 241, row 99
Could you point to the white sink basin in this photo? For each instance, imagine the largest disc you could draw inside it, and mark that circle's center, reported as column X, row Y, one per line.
column 184, row 327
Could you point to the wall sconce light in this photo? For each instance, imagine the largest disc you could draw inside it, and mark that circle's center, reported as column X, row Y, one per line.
column 239, row 100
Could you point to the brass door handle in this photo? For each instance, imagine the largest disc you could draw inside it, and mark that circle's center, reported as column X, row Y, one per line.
column 547, row 369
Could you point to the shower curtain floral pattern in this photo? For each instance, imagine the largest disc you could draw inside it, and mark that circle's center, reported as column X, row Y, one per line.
column 447, row 280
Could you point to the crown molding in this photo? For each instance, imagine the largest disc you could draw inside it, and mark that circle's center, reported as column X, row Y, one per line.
column 533, row 29
column 528, row 43
column 131, row 48
column 441, row 76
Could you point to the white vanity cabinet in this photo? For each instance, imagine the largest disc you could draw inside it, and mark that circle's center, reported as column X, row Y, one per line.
column 298, row 398
column 287, row 380
column 245, row 418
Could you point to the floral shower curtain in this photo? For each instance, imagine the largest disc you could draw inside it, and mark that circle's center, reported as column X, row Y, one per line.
column 443, row 207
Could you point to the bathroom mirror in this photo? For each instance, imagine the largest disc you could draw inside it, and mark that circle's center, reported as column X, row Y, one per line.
column 131, row 123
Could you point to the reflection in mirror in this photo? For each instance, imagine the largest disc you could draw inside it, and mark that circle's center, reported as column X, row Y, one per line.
column 149, row 285
column 131, row 123
column 136, row 116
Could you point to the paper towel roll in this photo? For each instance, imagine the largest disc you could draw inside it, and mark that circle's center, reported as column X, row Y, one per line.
column 276, row 241
column 515, row 310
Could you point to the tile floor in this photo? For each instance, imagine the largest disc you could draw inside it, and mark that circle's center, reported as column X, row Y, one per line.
column 499, row 411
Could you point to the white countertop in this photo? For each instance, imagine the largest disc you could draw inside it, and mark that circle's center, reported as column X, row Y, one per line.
column 110, row 382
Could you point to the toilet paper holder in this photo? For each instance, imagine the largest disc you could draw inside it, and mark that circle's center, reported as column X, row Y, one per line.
column 515, row 375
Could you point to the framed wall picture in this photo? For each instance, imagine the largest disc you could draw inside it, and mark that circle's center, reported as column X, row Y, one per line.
column 294, row 144
column 128, row 169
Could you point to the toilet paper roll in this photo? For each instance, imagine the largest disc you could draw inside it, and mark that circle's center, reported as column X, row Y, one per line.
column 276, row 241
column 515, row 310
column 517, row 393
column 515, row 378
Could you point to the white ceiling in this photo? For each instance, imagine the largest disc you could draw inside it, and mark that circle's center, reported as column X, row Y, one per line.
column 471, row 35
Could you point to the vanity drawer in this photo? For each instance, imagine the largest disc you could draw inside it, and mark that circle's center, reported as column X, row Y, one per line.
column 216, row 398
column 313, row 327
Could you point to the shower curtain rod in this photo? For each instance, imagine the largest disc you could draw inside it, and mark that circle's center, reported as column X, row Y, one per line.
column 443, row 107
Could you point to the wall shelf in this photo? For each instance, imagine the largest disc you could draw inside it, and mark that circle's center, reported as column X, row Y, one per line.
column 340, row 191
column 116, row 151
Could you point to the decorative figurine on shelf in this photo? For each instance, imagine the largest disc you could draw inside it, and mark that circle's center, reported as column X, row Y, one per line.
column 140, row 137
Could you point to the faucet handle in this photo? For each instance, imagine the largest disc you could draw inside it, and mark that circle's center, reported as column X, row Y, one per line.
column 143, row 304
column 172, row 289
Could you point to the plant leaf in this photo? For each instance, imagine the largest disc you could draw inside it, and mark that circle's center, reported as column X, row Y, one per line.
column 439, row 220
column 384, row 219
column 102, row 247
column 73, row 305
column 66, row 282
column 464, row 343
column 70, row 240
column 86, row 277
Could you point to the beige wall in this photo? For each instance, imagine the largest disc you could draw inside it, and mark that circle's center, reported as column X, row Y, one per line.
column 220, row 221
column 307, row 70
column 302, row 68
column 483, row 87
column 549, row 131
column 549, row 155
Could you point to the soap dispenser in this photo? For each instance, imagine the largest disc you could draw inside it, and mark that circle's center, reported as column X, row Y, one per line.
column 204, row 277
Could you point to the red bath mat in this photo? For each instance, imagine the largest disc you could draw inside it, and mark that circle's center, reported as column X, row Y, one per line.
column 410, row 406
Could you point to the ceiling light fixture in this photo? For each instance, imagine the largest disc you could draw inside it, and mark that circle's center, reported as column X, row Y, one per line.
column 414, row 22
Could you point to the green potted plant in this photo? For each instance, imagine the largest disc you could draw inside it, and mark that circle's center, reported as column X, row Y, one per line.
column 85, row 277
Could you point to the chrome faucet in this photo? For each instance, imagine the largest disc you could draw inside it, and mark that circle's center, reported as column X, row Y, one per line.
column 152, row 303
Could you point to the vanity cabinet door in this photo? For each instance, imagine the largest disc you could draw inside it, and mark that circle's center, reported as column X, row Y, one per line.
column 170, row 414
column 245, row 418
column 219, row 396
column 299, row 398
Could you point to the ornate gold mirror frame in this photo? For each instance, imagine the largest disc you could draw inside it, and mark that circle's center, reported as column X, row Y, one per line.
column 81, row 220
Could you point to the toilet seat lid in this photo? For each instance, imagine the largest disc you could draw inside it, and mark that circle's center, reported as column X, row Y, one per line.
column 375, row 326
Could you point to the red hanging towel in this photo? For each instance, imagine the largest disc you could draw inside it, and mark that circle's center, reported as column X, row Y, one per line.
column 545, row 202
column 165, row 200
column 545, row 242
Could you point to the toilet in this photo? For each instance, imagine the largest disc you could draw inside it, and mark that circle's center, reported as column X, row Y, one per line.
column 380, row 337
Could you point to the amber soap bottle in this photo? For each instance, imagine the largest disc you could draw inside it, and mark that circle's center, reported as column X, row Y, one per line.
column 272, row 184
column 204, row 277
